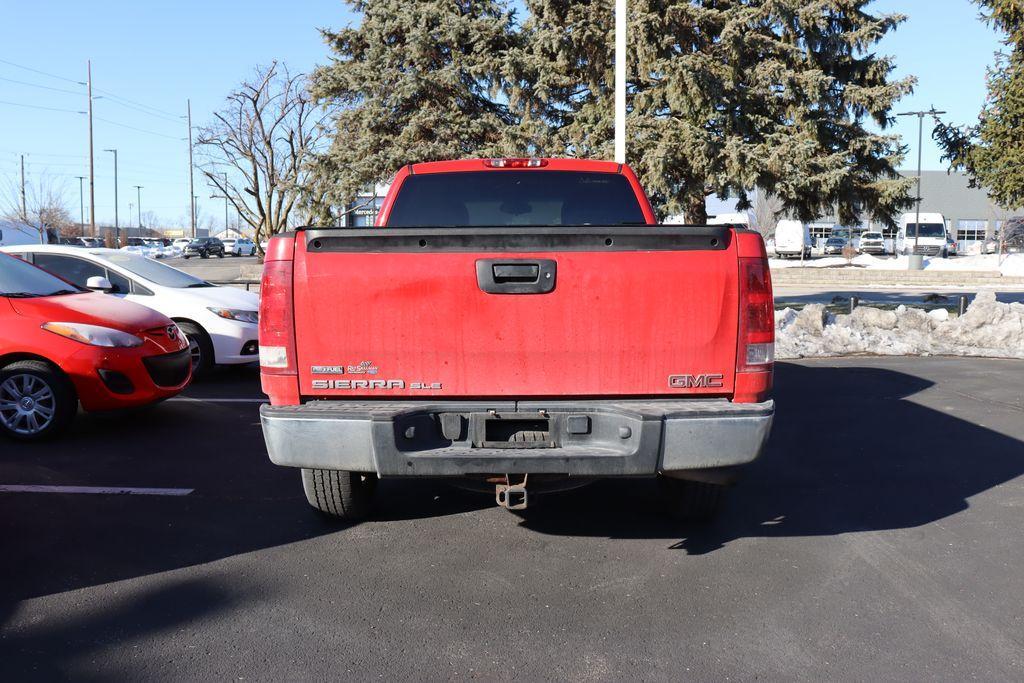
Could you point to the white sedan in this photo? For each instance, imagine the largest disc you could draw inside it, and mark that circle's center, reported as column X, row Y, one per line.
column 219, row 322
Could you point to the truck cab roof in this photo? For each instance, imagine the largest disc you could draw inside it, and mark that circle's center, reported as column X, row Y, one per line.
column 518, row 163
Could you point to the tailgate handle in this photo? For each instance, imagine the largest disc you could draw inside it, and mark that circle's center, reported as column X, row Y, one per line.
column 516, row 276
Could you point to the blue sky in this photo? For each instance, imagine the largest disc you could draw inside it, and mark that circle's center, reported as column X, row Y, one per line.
column 159, row 53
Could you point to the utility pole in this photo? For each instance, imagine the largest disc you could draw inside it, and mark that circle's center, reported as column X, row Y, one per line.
column 191, row 181
column 24, row 209
column 226, row 203
column 117, row 224
column 81, row 205
column 138, row 203
column 92, row 171
column 920, row 142
column 620, row 81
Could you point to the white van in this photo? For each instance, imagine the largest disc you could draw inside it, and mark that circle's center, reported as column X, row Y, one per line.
column 931, row 235
column 792, row 238
column 15, row 232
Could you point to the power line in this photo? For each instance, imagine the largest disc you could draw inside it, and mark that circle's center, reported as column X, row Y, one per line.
column 44, row 73
column 36, row 106
column 44, row 87
column 141, row 130
column 140, row 110
column 176, row 117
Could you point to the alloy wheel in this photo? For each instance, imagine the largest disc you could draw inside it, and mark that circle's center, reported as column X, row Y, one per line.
column 27, row 404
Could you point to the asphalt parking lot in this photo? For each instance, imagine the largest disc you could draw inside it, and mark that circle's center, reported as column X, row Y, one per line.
column 879, row 537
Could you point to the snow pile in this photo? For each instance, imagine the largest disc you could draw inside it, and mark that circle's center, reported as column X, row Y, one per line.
column 1012, row 264
column 988, row 328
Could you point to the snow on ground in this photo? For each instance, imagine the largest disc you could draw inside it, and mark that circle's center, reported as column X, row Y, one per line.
column 988, row 328
column 1012, row 264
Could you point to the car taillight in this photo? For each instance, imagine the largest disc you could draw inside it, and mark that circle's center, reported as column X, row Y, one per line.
column 277, row 332
column 516, row 163
column 756, row 348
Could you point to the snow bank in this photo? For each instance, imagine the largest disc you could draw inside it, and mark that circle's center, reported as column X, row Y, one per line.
column 988, row 328
column 1013, row 264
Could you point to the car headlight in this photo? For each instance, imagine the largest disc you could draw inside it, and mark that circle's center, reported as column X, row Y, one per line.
column 236, row 314
column 94, row 335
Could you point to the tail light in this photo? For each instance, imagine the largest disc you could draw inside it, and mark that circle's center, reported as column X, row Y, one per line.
column 756, row 350
column 277, row 331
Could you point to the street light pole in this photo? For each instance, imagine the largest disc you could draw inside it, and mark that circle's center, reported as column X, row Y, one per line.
column 92, row 172
column 920, row 142
column 191, row 169
column 138, row 203
column 81, row 205
column 620, row 81
column 117, row 223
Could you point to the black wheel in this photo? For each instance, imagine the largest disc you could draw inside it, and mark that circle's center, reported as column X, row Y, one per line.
column 220, row 254
column 36, row 400
column 691, row 501
column 186, row 257
column 204, row 254
column 339, row 493
column 200, row 347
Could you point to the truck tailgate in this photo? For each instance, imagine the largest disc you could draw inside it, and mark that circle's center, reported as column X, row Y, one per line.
column 591, row 312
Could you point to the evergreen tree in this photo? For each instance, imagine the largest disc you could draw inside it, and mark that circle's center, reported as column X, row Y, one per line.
column 415, row 81
column 725, row 96
column 560, row 80
column 992, row 151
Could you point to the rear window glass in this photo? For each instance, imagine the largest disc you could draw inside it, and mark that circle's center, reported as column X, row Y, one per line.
column 512, row 198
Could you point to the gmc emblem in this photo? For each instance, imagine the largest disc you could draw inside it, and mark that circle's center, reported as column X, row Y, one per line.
column 705, row 381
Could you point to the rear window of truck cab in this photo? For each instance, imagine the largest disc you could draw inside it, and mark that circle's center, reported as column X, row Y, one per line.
column 515, row 198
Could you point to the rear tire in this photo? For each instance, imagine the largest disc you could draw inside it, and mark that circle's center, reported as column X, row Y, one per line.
column 690, row 501
column 339, row 493
column 53, row 402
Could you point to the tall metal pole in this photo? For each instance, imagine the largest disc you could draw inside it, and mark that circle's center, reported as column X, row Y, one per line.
column 138, row 203
column 117, row 223
column 191, row 180
column 920, row 143
column 92, row 171
column 24, row 208
column 620, row 81
column 81, row 205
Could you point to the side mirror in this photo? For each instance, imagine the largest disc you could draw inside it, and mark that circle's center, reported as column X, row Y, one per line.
column 99, row 284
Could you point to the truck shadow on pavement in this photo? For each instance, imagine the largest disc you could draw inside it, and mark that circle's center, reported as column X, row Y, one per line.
column 848, row 452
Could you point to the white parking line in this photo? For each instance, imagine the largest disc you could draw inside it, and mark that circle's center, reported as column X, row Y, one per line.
column 187, row 399
column 108, row 490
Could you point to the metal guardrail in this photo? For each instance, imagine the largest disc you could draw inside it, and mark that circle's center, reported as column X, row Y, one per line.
column 248, row 284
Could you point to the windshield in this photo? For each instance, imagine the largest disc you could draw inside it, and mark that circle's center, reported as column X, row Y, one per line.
column 927, row 230
column 509, row 198
column 872, row 236
column 22, row 280
column 155, row 272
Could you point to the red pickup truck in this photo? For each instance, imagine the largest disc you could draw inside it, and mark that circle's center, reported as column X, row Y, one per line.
column 517, row 323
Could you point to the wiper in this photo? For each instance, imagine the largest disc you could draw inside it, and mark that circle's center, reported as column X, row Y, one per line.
column 21, row 295
column 199, row 284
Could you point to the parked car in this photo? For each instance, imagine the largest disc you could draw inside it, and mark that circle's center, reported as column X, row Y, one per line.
column 834, row 245
column 204, row 247
column 872, row 243
column 220, row 323
column 952, row 246
column 239, row 247
column 62, row 345
column 92, row 242
column 181, row 242
column 1013, row 235
column 518, row 307
column 792, row 238
column 138, row 245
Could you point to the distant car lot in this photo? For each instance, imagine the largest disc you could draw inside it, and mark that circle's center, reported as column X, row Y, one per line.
column 849, row 552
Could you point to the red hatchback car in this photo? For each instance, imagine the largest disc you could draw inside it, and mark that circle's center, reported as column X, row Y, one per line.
column 61, row 346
